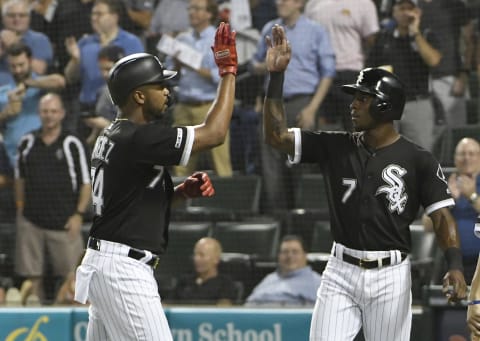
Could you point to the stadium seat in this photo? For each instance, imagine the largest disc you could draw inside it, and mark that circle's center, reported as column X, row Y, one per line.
column 310, row 205
column 234, row 198
column 178, row 258
column 322, row 240
column 310, row 193
column 258, row 239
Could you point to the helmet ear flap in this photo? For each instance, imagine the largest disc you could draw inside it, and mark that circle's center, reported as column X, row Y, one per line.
column 380, row 109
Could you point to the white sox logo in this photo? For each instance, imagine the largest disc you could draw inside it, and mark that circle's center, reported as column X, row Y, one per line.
column 395, row 190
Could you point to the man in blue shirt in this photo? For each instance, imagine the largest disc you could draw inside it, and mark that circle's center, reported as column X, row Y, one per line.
column 16, row 21
column 307, row 81
column 197, row 88
column 83, row 63
column 19, row 96
column 294, row 283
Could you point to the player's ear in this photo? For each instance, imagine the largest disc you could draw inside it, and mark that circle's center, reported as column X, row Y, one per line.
column 139, row 97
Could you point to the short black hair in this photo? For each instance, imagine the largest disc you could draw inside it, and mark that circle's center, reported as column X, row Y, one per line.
column 16, row 49
column 111, row 53
column 114, row 6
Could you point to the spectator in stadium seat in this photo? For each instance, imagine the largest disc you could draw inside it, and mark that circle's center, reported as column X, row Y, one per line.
column 16, row 22
column 19, row 96
column 206, row 285
column 83, row 65
column 52, row 189
column 294, row 282
column 464, row 184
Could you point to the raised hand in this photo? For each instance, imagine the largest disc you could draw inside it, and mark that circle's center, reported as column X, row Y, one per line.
column 279, row 50
column 224, row 50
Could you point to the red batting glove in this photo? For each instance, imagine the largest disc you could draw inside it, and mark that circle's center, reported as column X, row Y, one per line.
column 224, row 50
column 197, row 185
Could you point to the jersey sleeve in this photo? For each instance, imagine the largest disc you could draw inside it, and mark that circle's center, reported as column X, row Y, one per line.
column 77, row 160
column 434, row 192
column 24, row 146
column 316, row 146
column 156, row 143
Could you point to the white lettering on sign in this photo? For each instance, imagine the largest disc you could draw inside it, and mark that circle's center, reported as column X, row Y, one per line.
column 206, row 332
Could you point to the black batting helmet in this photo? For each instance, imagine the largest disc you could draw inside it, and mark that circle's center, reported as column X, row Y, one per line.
column 133, row 71
column 387, row 89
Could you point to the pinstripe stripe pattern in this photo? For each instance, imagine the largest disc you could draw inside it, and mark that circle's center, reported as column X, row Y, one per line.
column 123, row 293
column 350, row 297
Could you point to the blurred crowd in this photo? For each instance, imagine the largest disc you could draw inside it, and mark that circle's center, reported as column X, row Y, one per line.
column 55, row 56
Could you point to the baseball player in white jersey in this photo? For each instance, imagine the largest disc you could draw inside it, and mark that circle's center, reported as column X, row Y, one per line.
column 376, row 181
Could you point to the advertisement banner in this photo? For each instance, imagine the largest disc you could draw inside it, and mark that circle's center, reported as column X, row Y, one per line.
column 37, row 324
column 187, row 324
column 216, row 324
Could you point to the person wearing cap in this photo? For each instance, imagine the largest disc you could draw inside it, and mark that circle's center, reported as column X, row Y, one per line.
column 132, row 192
column 410, row 53
column 376, row 181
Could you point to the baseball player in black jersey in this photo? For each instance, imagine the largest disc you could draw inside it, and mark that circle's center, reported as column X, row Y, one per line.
column 132, row 192
column 376, row 181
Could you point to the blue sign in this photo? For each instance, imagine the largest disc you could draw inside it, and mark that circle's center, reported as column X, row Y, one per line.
column 216, row 324
column 187, row 324
column 35, row 324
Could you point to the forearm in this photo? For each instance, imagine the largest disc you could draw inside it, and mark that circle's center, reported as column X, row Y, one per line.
column 475, row 286
column 321, row 92
column 141, row 18
column 84, row 198
column 49, row 82
column 275, row 127
column 430, row 55
column 72, row 71
column 445, row 229
column 19, row 194
column 213, row 131
column 468, row 35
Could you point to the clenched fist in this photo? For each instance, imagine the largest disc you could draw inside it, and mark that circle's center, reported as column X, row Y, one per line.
column 224, row 50
column 197, row 185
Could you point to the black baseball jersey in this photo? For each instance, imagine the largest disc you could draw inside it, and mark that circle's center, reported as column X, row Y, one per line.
column 131, row 187
column 374, row 195
column 53, row 175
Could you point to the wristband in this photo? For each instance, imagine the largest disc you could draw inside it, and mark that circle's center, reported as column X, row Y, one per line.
column 453, row 256
column 473, row 302
column 81, row 214
column 19, row 203
column 275, row 85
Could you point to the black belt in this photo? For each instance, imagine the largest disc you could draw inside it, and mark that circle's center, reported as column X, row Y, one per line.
column 369, row 264
column 94, row 243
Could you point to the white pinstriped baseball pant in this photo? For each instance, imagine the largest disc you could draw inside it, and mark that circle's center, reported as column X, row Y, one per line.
column 123, row 294
column 350, row 297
